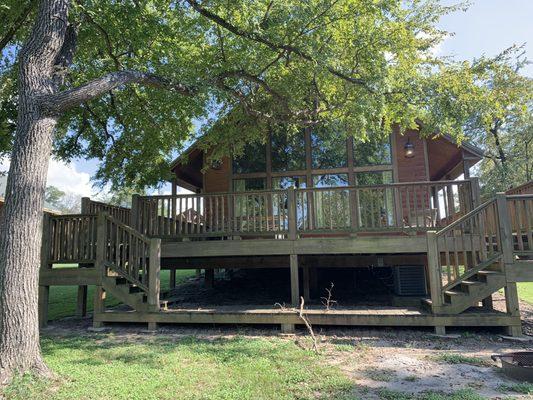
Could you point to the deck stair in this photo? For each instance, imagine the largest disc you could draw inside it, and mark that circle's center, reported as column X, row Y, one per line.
column 467, row 258
column 130, row 292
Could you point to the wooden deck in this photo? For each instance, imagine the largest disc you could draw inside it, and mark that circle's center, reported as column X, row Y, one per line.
column 469, row 250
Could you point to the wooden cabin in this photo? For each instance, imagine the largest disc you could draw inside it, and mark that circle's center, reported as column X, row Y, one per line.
column 394, row 229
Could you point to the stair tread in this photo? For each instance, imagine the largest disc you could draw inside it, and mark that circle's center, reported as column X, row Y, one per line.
column 472, row 283
column 486, row 272
column 455, row 293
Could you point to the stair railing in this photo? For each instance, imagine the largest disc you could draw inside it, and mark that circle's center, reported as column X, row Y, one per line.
column 464, row 247
column 132, row 255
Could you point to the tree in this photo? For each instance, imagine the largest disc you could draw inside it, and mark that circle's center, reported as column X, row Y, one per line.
column 123, row 81
column 67, row 203
column 502, row 122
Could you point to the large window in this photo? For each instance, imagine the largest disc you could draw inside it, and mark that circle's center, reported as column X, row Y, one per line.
column 374, row 178
column 288, row 152
column 328, row 149
column 253, row 159
column 330, row 180
column 245, row 185
column 285, row 182
column 376, row 151
column 376, row 204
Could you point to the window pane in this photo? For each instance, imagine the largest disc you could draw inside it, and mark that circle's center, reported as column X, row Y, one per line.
column 285, row 182
column 288, row 153
column 376, row 205
column 374, row 178
column 243, row 185
column 373, row 152
column 253, row 159
column 330, row 180
column 328, row 149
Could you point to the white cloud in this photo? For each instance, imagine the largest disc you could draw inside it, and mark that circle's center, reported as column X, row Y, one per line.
column 65, row 177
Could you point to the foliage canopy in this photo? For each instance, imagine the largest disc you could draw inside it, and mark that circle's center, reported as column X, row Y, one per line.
column 362, row 65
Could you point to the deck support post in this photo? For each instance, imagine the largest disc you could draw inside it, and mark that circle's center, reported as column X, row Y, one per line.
column 295, row 284
column 154, row 278
column 306, row 282
column 101, row 248
column 288, row 328
column 440, row 330
column 173, row 278
column 44, row 293
column 81, row 303
column 209, row 277
column 513, row 308
column 99, row 305
column 434, row 271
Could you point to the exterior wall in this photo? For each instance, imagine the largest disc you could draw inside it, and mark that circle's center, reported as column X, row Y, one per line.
column 218, row 180
column 411, row 169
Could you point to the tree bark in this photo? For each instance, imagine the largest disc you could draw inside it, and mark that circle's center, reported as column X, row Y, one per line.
column 21, row 220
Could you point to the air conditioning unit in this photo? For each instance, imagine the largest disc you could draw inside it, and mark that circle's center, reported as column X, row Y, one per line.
column 410, row 280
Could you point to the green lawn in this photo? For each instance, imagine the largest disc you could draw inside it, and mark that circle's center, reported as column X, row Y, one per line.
column 525, row 291
column 62, row 301
column 146, row 367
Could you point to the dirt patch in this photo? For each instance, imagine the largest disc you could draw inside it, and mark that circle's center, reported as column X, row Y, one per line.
column 397, row 360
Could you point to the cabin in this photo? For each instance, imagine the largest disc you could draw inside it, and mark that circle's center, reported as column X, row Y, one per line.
column 385, row 232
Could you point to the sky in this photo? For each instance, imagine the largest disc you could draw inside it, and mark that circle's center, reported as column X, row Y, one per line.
column 486, row 28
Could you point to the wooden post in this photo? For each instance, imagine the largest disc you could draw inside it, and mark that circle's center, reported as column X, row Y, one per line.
column 506, row 235
column 476, row 192
column 209, row 276
column 291, row 205
column 173, row 278
column 134, row 215
column 154, row 279
column 81, row 303
column 513, row 308
column 85, row 205
column 434, row 270
column 99, row 304
column 101, row 249
column 295, row 284
column 306, row 282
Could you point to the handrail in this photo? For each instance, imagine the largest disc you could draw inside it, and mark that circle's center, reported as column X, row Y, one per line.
column 462, row 219
column 399, row 206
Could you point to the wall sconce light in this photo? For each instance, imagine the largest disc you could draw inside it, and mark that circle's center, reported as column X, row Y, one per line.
column 216, row 164
column 409, row 149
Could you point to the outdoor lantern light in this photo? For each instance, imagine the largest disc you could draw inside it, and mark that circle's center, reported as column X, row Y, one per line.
column 216, row 164
column 409, row 149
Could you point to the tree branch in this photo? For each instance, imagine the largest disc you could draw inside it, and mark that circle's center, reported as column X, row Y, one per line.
column 17, row 24
column 256, row 37
column 63, row 101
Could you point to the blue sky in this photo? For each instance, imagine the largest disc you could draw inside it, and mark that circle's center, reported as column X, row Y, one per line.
column 487, row 27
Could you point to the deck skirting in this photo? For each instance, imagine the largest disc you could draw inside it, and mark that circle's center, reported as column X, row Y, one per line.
column 393, row 317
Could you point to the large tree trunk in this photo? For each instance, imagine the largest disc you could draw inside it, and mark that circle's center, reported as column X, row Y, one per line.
column 21, row 220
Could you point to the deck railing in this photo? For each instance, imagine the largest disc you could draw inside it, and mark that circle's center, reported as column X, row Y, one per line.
column 521, row 219
column 69, row 238
column 125, row 251
column 399, row 206
column 122, row 214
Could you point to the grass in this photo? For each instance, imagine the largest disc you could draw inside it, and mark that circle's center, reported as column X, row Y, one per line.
column 525, row 291
column 522, row 388
column 101, row 366
column 62, row 301
column 464, row 394
column 454, row 358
